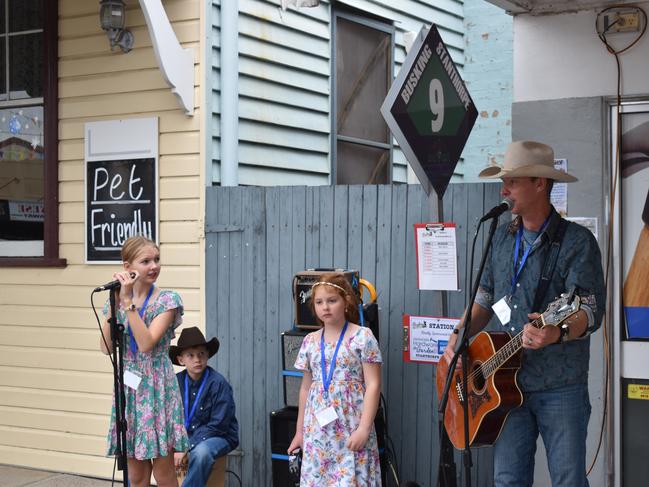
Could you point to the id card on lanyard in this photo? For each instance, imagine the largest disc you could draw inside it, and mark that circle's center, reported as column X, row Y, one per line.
column 501, row 307
column 189, row 415
column 133, row 343
column 328, row 414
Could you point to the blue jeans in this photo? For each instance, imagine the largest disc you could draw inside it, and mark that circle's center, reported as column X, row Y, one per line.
column 561, row 416
column 201, row 460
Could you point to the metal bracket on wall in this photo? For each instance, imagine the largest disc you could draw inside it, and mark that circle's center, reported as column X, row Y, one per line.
column 220, row 228
column 175, row 62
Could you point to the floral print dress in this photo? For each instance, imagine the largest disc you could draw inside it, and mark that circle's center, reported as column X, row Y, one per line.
column 154, row 413
column 326, row 461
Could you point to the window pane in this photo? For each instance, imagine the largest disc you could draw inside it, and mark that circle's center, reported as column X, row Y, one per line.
column 3, row 69
column 25, row 15
column 3, row 19
column 26, row 66
column 362, row 73
column 359, row 164
column 21, row 173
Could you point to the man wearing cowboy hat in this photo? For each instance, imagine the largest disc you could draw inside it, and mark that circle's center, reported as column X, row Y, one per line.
column 533, row 259
column 208, row 405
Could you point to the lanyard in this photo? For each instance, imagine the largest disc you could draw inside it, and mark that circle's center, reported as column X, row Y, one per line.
column 190, row 415
column 141, row 313
column 519, row 237
column 326, row 378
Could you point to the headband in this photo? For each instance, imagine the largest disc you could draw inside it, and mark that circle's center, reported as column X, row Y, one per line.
column 325, row 283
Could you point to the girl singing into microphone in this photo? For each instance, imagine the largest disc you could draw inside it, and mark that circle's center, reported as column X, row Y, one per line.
column 150, row 316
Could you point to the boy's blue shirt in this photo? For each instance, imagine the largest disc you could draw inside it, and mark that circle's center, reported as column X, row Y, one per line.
column 215, row 413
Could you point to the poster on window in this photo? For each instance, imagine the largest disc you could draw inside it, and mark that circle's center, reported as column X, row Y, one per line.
column 634, row 173
column 121, row 186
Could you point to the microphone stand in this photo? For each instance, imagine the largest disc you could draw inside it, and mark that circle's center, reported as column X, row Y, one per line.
column 462, row 349
column 117, row 337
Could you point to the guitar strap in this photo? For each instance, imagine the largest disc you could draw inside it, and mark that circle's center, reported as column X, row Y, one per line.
column 549, row 264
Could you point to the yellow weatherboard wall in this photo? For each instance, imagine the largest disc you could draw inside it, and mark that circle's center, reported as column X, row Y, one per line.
column 55, row 385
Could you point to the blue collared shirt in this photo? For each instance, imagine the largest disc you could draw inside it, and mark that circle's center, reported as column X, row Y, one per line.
column 215, row 413
column 578, row 264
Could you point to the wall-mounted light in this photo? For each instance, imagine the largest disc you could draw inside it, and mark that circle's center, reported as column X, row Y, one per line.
column 112, row 15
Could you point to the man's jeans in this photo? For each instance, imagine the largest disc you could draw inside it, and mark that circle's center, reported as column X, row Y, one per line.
column 561, row 416
column 201, row 460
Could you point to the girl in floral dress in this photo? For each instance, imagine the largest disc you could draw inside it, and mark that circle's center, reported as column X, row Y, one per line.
column 153, row 409
column 339, row 395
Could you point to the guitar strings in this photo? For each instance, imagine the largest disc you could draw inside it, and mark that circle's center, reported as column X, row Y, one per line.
column 510, row 350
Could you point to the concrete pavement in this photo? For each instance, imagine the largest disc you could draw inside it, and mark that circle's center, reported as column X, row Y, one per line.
column 21, row 477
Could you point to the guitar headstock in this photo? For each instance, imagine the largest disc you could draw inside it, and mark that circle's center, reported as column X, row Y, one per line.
column 559, row 310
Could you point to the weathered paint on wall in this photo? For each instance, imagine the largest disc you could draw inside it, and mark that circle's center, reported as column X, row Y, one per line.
column 488, row 73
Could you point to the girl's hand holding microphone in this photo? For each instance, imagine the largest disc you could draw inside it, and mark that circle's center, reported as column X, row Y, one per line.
column 126, row 279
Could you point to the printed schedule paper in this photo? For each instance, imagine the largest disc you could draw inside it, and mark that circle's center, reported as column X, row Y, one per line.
column 436, row 256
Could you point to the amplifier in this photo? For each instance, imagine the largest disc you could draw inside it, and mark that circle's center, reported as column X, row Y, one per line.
column 291, row 377
column 282, row 430
column 291, row 343
column 302, row 282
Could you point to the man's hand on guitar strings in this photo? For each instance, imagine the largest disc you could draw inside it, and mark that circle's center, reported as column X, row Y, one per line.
column 535, row 338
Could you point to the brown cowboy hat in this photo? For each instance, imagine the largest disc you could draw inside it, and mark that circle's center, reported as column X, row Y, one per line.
column 192, row 337
column 526, row 158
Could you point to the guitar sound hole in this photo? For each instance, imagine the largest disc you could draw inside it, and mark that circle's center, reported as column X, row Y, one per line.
column 478, row 378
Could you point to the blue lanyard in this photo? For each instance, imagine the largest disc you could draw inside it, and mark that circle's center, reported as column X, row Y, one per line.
column 519, row 237
column 141, row 313
column 190, row 415
column 326, row 378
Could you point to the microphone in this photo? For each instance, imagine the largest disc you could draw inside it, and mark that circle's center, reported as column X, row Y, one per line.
column 496, row 211
column 111, row 285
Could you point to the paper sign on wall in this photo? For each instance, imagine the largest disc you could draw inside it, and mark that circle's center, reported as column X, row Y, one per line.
column 426, row 337
column 436, row 247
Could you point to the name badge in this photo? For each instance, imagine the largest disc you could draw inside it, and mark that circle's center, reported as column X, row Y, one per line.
column 503, row 311
column 132, row 380
column 326, row 416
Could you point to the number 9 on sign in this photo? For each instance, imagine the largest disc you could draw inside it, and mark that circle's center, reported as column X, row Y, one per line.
column 436, row 102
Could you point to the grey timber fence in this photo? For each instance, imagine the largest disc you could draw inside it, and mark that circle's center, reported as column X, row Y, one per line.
column 257, row 238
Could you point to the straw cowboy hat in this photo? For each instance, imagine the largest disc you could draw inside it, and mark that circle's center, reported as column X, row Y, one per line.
column 526, row 158
column 192, row 337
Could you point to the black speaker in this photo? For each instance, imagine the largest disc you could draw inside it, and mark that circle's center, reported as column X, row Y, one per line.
column 282, row 430
column 291, row 377
column 302, row 282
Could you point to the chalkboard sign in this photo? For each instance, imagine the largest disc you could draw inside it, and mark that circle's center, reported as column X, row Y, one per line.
column 121, row 200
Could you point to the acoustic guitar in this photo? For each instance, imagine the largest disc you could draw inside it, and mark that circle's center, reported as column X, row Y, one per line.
column 492, row 391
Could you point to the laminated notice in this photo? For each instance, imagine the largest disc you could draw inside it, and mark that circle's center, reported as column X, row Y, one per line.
column 638, row 391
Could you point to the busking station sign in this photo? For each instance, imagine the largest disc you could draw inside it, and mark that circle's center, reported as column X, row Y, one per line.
column 120, row 185
column 429, row 111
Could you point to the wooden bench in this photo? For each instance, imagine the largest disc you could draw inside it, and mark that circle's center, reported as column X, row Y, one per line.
column 217, row 477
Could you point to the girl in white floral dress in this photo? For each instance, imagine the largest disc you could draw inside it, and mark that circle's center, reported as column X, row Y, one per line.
column 339, row 395
column 153, row 411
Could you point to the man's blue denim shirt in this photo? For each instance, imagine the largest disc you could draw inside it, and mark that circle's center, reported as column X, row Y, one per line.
column 578, row 264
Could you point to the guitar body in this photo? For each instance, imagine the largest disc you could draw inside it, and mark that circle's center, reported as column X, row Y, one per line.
column 490, row 400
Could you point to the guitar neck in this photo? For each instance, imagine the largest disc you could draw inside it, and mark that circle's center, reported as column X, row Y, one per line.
column 508, row 351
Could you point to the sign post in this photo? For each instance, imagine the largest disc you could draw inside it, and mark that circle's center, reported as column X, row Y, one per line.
column 431, row 114
column 429, row 111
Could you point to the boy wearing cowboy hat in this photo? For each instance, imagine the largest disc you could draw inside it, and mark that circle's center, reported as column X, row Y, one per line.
column 532, row 260
column 208, row 406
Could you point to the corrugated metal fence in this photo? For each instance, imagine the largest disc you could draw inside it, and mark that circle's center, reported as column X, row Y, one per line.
column 258, row 238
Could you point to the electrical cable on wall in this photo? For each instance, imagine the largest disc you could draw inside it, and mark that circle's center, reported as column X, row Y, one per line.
column 613, row 182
